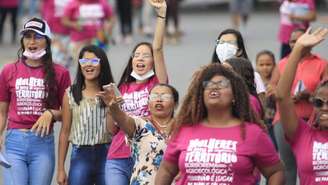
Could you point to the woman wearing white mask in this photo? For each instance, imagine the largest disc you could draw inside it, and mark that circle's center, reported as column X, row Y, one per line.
column 30, row 98
column 230, row 44
column 144, row 70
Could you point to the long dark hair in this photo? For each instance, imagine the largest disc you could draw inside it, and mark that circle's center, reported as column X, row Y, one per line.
column 244, row 68
column 105, row 76
column 50, row 83
column 240, row 45
column 126, row 77
column 193, row 109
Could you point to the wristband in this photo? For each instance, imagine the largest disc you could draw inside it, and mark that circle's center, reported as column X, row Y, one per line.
column 160, row 17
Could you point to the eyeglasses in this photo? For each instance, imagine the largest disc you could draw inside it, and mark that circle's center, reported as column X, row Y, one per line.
column 319, row 103
column 36, row 36
column 92, row 61
column 143, row 56
column 162, row 97
column 233, row 42
column 219, row 84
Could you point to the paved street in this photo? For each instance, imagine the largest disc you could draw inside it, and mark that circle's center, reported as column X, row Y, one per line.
column 200, row 31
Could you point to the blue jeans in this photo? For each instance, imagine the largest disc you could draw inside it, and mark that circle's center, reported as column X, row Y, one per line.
column 32, row 158
column 118, row 171
column 88, row 165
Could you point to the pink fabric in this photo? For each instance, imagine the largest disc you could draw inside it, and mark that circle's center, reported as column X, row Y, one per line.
column 310, row 147
column 52, row 11
column 8, row 3
column 310, row 70
column 90, row 15
column 135, row 103
column 256, row 105
column 23, row 87
column 210, row 155
column 286, row 26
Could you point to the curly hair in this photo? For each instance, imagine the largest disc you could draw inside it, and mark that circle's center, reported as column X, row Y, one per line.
column 193, row 109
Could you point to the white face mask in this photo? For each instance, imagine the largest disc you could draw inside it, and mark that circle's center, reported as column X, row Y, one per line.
column 225, row 51
column 143, row 77
column 35, row 55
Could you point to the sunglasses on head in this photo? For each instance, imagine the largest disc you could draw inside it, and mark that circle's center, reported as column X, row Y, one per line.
column 319, row 103
column 92, row 61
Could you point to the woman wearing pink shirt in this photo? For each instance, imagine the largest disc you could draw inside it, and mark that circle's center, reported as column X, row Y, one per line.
column 31, row 94
column 86, row 18
column 294, row 14
column 144, row 70
column 218, row 140
column 308, row 141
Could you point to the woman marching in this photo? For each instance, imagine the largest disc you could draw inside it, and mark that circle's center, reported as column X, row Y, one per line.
column 148, row 135
column 84, row 121
column 308, row 140
column 30, row 99
column 144, row 70
column 218, row 139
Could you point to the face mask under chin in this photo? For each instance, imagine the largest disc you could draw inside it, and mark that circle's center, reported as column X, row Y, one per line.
column 35, row 55
column 147, row 75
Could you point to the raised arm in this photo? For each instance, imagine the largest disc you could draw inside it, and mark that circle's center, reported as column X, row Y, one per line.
column 125, row 122
column 285, row 103
column 160, row 68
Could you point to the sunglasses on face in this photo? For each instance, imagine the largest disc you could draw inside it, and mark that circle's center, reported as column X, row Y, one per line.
column 319, row 103
column 162, row 97
column 219, row 84
column 233, row 42
column 143, row 56
column 92, row 61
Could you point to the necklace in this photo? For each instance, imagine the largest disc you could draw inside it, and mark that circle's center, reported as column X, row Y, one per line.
column 164, row 125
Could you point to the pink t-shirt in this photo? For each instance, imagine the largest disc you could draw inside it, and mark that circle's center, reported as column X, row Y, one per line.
column 52, row 12
column 135, row 104
column 90, row 14
column 9, row 3
column 310, row 147
column 310, row 71
column 207, row 155
column 23, row 88
column 256, row 105
column 297, row 7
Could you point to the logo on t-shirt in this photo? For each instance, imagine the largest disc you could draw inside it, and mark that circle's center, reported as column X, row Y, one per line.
column 210, row 161
column 30, row 93
column 320, row 161
column 91, row 14
column 136, row 103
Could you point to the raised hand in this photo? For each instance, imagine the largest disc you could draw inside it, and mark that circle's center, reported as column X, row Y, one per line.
column 160, row 7
column 108, row 96
column 309, row 39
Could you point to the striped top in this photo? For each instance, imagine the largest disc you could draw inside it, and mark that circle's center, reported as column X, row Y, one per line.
column 88, row 122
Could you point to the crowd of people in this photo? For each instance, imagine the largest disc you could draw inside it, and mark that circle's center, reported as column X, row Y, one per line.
column 235, row 123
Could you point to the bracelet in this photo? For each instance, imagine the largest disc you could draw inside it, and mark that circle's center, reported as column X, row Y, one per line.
column 161, row 17
column 52, row 114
